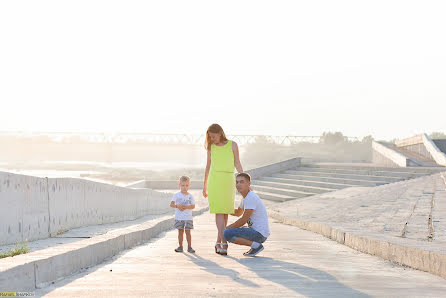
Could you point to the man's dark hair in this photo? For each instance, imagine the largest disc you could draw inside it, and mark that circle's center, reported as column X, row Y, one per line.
column 246, row 175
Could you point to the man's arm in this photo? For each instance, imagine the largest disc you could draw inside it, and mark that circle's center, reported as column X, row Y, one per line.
column 237, row 212
column 241, row 221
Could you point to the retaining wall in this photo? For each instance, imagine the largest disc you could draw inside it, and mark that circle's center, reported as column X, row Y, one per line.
column 387, row 157
column 275, row 168
column 423, row 145
column 37, row 208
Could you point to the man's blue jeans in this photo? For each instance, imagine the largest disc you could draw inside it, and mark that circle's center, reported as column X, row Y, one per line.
column 246, row 233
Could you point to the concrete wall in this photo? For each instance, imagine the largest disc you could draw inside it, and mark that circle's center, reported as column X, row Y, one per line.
column 437, row 154
column 418, row 139
column 420, row 149
column 36, row 208
column 385, row 156
column 23, row 208
column 423, row 145
column 275, row 168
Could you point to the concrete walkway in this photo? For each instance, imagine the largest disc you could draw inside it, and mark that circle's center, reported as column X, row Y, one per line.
column 403, row 222
column 412, row 209
column 295, row 262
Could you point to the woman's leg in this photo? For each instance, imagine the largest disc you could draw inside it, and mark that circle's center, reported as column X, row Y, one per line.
column 225, row 216
column 220, row 222
column 216, row 223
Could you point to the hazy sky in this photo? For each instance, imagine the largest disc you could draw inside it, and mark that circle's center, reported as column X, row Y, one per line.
column 272, row 67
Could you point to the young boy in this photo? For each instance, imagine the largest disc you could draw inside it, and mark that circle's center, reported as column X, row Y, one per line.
column 184, row 202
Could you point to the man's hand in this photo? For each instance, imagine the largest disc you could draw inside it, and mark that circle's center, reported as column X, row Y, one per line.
column 181, row 207
column 237, row 212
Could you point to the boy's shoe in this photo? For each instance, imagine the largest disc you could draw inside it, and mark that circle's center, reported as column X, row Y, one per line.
column 191, row 250
column 253, row 251
column 179, row 249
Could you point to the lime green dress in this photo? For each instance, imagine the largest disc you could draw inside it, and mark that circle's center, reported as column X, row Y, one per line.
column 221, row 180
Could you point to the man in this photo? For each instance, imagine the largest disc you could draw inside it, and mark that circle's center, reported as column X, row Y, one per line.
column 253, row 212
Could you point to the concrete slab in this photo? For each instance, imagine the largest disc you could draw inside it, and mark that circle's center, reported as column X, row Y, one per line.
column 55, row 258
column 295, row 263
column 392, row 221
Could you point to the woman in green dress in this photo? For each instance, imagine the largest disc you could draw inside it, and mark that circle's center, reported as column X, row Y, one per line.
column 219, row 180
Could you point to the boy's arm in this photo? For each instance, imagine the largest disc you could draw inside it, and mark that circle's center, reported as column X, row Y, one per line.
column 237, row 212
column 190, row 206
column 173, row 205
column 241, row 221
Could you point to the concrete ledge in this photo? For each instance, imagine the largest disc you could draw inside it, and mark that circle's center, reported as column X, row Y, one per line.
column 38, row 269
column 393, row 156
column 407, row 253
column 437, row 154
column 274, row 168
column 430, row 149
column 37, row 208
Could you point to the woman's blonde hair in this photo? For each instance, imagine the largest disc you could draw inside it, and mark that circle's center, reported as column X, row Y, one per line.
column 214, row 128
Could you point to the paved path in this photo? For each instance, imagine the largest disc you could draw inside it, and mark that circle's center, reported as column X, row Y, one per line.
column 294, row 263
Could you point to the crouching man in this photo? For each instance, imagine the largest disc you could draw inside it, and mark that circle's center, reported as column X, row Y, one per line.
column 253, row 212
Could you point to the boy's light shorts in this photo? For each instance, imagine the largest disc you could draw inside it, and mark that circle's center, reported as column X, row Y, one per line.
column 183, row 224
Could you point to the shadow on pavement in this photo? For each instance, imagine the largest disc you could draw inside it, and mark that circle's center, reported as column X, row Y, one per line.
column 304, row 280
column 216, row 269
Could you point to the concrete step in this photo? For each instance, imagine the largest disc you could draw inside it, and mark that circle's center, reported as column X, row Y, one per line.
column 318, row 186
column 359, row 182
column 406, row 175
column 289, row 185
column 417, row 158
column 274, row 197
column 387, row 179
column 371, row 167
column 282, row 190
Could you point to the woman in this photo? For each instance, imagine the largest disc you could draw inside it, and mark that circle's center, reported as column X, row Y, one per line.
column 219, row 181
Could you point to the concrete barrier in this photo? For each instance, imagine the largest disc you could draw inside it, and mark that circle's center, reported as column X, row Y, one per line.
column 437, row 154
column 423, row 145
column 275, row 168
column 37, row 208
column 24, row 208
column 388, row 155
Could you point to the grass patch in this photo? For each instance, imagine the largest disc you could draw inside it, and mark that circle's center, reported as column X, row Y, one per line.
column 20, row 248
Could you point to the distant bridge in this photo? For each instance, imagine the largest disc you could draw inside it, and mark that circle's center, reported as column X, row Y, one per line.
column 157, row 138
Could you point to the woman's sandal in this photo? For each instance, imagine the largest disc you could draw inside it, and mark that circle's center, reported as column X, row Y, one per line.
column 217, row 247
column 224, row 251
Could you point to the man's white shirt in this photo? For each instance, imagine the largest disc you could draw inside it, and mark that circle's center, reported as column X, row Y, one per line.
column 259, row 218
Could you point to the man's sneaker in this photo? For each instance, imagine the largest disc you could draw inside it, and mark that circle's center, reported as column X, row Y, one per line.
column 191, row 250
column 253, row 251
column 179, row 249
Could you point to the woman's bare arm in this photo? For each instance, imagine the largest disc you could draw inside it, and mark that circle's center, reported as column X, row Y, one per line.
column 206, row 174
column 237, row 164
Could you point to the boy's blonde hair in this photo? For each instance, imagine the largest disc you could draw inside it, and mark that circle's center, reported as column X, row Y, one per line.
column 184, row 179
